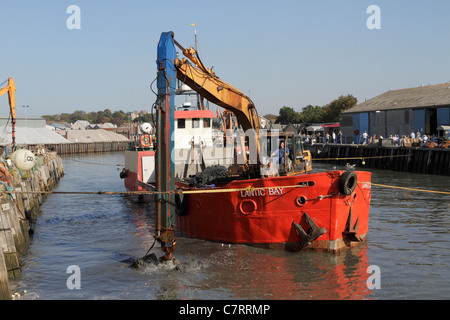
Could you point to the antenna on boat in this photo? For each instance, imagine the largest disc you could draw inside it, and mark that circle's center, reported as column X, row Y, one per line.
column 195, row 32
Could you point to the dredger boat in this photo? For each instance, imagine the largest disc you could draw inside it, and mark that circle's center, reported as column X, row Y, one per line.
column 247, row 202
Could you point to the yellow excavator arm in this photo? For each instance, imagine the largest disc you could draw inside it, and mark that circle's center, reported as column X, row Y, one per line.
column 211, row 87
column 11, row 89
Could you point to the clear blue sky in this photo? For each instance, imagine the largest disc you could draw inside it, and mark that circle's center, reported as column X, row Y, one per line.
column 282, row 53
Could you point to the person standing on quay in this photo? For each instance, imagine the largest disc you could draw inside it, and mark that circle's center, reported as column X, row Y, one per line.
column 365, row 135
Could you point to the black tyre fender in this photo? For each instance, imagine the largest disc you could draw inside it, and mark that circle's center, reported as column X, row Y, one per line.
column 180, row 204
column 123, row 173
column 347, row 183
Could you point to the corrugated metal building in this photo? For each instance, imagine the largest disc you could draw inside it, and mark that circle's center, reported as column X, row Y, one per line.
column 33, row 130
column 98, row 135
column 401, row 112
column 29, row 130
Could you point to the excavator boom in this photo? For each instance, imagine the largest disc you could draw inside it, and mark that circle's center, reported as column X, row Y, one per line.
column 220, row 93
column 211, row 87
column 11, row 89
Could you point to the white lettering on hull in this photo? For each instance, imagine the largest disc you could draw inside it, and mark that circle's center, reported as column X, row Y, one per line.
column 262, row 192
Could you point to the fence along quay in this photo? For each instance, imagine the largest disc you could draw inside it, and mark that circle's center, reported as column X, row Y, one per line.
column 406, row 159
column 84, row 147
column 18, row 210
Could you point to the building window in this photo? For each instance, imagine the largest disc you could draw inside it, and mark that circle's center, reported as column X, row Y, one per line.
column 181, row 123
column 195, row 123
column 206, row 123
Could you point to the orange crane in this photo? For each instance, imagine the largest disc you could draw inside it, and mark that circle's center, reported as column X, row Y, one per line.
column 11, row 89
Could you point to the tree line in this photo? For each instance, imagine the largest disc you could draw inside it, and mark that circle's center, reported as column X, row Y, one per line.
column 315, row 114
column 115, row 117
column 309, row 114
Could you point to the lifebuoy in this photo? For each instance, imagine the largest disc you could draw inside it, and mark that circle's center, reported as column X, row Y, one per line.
column 145, row 141
column 347, row 184
column 180, row 204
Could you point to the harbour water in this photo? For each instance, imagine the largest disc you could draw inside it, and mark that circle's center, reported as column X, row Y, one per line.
column 407, row 255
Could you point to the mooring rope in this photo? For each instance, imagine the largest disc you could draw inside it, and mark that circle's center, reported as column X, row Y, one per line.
column 249, row 189
column 201, row 190
column 363, row 158
column 409, row 189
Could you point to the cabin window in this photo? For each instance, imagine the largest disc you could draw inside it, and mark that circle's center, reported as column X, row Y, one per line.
column 206, row 123
column 181, row 123
column 195, row 123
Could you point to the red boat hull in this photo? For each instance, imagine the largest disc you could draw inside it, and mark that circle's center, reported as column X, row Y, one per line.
column 272, row 212
column 265, row 215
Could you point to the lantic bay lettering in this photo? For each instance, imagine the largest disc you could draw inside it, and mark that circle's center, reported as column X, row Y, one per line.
column 261, row 192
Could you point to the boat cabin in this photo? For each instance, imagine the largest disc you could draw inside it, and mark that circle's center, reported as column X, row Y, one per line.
column 286, row 153
column 193, row 127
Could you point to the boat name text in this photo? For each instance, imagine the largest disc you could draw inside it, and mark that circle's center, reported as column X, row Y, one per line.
column 262, row 192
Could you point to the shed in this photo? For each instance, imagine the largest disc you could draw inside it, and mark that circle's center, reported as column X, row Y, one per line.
column 400, row 112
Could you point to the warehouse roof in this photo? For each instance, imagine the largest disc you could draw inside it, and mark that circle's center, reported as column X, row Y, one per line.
column 98, row 135
column 31, row 136
column 423, row 96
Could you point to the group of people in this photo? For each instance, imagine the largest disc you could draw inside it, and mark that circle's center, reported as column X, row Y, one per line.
column 333, row 137
column 281, row 155
column 396, row 140
column 423, row 138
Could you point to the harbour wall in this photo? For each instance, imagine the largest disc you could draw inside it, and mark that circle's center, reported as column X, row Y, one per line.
column 406, row 159
column 18, row 212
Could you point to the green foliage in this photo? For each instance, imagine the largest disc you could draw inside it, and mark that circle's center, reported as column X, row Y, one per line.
column 287, row 115
column 117, row 117
column 271, row 117
column 335, row 107
column 317, row 114
column 147, row 117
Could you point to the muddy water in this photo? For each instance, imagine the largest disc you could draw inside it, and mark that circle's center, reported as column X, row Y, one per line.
column 407, row 255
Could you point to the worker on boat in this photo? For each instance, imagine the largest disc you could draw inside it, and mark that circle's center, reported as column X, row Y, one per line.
column 270, row 171
column 282, row 153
